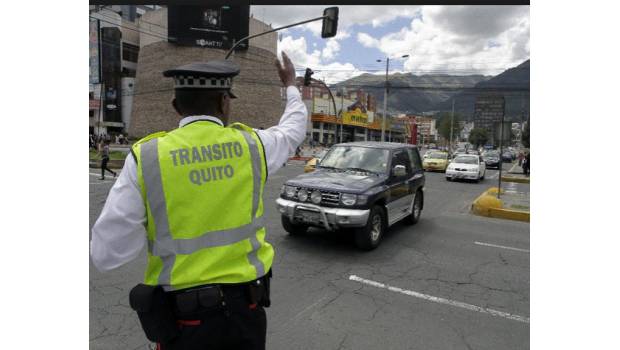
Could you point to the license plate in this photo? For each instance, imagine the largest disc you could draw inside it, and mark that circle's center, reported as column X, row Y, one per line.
column 308, row 216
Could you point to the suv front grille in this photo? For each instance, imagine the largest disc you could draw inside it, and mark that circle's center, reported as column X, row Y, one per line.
column 330, row 197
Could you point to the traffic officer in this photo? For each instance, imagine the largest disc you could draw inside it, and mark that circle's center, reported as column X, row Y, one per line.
column 193, row 195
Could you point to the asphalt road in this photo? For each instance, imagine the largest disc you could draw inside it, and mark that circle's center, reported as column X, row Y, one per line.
column 453, row 281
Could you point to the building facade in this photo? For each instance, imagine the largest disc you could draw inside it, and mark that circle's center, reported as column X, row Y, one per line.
column 350, row 116
column 129, row 50
column 114, row 49
column 260, row 101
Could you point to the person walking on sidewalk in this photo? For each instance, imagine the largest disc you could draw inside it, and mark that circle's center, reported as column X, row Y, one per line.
column 105, row 157
column 526, row 165
column 194, row 197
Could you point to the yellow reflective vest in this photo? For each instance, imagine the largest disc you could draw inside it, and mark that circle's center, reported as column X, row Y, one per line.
column 202, row 186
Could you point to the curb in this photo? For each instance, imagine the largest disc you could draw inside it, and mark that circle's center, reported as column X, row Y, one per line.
column 522, row 180
column 488, row 205
column 305, row 159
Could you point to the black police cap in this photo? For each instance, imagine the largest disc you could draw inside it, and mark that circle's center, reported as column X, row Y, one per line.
column 213, row 75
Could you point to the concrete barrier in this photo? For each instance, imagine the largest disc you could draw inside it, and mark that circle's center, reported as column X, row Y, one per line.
column 487, row 204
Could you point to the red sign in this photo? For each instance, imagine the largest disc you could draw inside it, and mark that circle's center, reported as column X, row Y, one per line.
column 94, row 104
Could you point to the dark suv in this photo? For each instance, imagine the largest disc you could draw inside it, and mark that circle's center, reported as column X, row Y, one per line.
column 367, row 186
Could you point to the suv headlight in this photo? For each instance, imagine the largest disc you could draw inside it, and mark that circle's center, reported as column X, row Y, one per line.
column 348, row 199
column 290, row 191
column 302, row 195
column 315, row 196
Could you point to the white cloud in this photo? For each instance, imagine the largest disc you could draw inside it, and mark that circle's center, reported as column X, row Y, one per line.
column 298, row 51
column 367, row 40
column 441, row 41
column 331, row 49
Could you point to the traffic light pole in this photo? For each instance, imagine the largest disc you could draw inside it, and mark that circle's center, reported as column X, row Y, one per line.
column 232, row 49
column 385, row 96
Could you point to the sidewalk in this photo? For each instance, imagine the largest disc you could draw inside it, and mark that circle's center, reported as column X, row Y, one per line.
column 515, row 174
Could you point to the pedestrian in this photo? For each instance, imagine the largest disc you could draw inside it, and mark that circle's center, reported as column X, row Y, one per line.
column 520, row 157
column 526, row 164
column 200, row 186
column 105, row 157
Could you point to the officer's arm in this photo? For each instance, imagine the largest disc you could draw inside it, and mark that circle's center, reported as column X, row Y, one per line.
column 281, row 141
column 119, row 235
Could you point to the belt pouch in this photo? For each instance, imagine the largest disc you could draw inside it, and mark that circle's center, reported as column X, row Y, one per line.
column 155, row 312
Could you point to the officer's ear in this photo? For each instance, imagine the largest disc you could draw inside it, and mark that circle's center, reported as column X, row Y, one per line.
column 176, row 106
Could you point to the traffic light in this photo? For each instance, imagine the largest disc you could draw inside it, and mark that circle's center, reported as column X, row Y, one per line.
column 308, row 76
column 330, row 23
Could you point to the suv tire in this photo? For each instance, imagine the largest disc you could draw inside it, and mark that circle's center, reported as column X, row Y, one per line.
column 292, row 228
column 417, row 202
column 369, row 236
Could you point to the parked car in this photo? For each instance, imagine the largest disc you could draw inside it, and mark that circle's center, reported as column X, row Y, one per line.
column 364, row 186
column 491, row 159
column 466, row 166
column 435, row 161
column 311, row 164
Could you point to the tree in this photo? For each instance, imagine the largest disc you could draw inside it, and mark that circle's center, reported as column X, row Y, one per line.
column 444, row 126
column 478, row 137
column 525, row 135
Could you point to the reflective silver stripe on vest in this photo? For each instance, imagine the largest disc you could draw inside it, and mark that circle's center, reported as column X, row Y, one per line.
column 256, row 171
column 151, row 174
column 165, row 247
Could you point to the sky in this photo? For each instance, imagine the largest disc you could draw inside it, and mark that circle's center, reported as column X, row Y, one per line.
column 456, row 40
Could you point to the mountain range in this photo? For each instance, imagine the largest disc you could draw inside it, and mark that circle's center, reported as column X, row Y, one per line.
column 416, row 94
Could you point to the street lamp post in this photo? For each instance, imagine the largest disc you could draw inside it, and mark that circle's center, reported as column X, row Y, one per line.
column 385, row 95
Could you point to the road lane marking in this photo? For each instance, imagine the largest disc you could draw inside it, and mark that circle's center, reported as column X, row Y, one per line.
column 439, row 300
column 502, row 246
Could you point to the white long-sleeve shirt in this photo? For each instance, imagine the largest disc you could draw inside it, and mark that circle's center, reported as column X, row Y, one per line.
column 119, row 234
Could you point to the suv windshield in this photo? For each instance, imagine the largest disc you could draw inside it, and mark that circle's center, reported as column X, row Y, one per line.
column 466, row 160
column 356, row 158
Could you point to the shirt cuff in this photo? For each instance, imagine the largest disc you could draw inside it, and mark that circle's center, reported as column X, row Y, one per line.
column 292, row 91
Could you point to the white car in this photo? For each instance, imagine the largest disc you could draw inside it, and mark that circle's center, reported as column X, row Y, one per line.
column 466, row 166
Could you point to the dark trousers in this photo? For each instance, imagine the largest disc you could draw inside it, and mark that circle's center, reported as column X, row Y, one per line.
column 104, row 167
column 238, row 325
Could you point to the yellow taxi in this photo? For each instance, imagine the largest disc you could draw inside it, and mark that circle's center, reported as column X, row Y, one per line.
column 311, row 164
column 435, row 161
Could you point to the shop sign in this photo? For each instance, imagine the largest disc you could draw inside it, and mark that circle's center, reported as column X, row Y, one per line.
column 355, row 117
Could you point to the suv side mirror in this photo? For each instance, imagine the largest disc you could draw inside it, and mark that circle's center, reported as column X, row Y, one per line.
column 399, row 170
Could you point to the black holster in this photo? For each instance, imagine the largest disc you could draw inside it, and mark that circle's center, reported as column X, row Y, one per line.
column 155, row 312
column 259, row 292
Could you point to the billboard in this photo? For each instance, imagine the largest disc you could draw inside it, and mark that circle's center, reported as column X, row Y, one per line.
column 355, row 117
column 93, row 51
column 208, row 26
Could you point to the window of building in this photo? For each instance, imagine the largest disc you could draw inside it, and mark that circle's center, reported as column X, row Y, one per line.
column 130, row 52
column 91, row 113
column 128, row 73
column 315, row 125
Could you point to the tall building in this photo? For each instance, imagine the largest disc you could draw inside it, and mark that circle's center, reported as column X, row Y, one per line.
column 114, row 48
column 258, row 86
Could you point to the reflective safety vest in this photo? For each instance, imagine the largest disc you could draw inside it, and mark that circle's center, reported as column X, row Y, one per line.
column 202, row 186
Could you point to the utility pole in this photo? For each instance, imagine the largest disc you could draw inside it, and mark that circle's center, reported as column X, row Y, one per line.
column 341, row 110
column 451, row 128
column 385, row 97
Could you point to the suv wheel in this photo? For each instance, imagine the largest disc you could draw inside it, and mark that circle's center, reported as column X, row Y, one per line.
column 369, row 236
column 292, row 228
column 416, row 209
